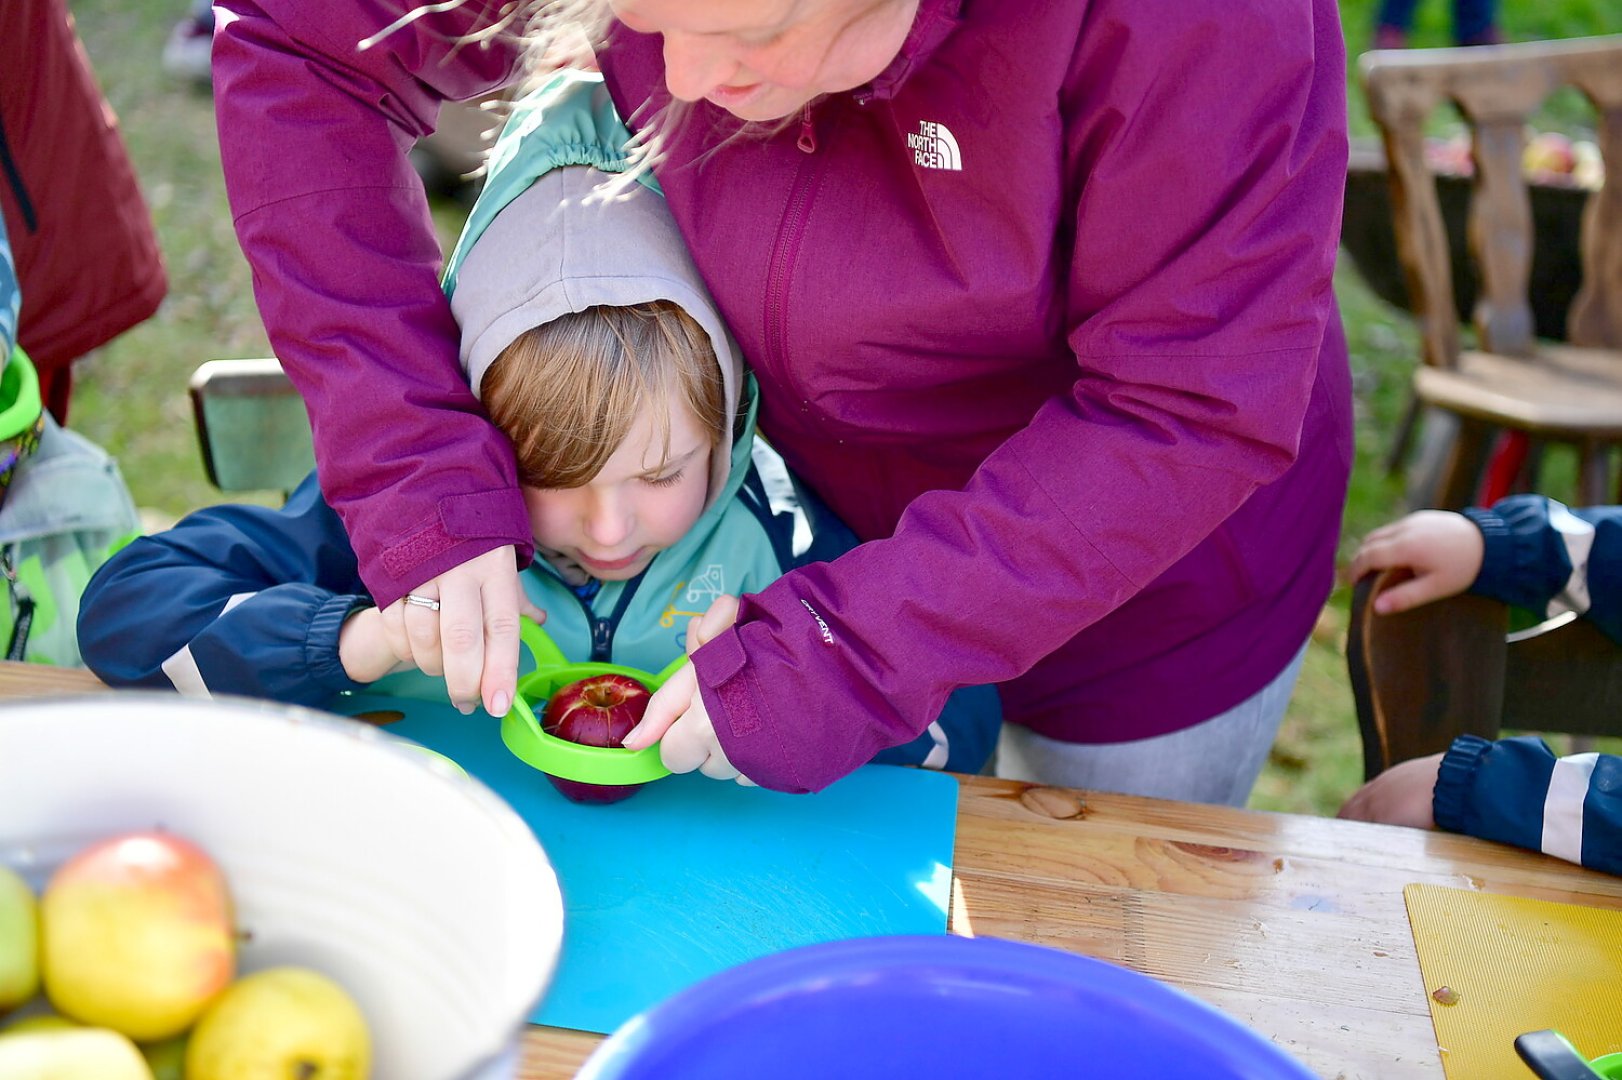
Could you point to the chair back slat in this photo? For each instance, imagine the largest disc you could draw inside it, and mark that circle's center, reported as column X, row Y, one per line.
column 1501, row 236
column 1596, row 311
column 1400, row 107
column 1497, row 88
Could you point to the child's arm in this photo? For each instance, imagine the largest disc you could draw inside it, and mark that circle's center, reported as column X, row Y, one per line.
column 1547, row 558
column 1517, row 792
column 234, row 599
column 1527, row 550
column 1513, row 791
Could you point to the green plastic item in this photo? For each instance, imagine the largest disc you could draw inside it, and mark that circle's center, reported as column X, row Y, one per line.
column 19, row 395
column 1608, row 1066
column 522, row 733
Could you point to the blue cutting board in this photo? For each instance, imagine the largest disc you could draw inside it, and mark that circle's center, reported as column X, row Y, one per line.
column 691, row 876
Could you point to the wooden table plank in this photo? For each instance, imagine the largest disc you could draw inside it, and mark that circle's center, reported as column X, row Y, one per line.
column 1293, row 925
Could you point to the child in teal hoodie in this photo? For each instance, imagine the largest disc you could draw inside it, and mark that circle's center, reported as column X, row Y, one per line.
column 590, row 339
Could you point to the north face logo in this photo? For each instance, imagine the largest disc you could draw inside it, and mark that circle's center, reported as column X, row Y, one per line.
column 934, row 147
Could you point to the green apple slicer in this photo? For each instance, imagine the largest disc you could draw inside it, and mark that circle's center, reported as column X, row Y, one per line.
column 521, row 731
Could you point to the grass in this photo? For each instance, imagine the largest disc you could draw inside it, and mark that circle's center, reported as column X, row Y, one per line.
column 130, row 396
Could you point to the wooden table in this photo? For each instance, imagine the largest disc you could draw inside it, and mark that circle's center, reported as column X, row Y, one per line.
column 1293, row 925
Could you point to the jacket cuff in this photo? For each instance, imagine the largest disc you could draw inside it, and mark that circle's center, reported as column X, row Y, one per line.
column 462, row 527
column 744, row 727
column 1451, row 800
column 321, row 643
column 1498, row 555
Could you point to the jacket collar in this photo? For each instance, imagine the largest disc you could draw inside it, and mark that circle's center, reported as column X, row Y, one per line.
column 934, row 22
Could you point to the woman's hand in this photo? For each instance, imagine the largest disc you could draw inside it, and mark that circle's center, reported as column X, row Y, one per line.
column 473, row 638
column 1399, row 796
column 1442, row 550
column 676, row 713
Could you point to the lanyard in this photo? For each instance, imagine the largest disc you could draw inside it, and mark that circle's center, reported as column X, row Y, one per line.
column 22, row 602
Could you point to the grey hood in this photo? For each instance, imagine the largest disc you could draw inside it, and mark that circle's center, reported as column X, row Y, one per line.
column 562, row 246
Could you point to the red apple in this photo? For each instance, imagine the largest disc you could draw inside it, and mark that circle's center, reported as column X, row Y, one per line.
column 599, row 711
column 1548, row 155
column 137, row 935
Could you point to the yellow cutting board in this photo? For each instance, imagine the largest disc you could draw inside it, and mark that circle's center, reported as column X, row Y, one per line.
column 1512, row 965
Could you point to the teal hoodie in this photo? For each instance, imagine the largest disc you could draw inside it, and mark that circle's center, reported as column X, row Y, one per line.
column 556, row 230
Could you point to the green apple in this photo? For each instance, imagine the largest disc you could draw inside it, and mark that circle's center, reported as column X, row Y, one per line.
column 166, row 1059
column 71, row 1054
column 138, row 935
column 19, row 940
column 285, row 1021
column 45, row 1021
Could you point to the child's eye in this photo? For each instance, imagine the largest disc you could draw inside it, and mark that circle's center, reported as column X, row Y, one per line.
column 667, row 481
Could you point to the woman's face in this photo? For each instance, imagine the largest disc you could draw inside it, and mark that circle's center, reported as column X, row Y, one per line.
column 641, row 501
column 764, row 59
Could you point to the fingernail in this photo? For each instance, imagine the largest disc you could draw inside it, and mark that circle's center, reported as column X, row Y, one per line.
column 630, row 742
column 500, row 704
column 464, row 708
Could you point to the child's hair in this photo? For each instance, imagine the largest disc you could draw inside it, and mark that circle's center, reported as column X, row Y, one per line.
column 567, row 392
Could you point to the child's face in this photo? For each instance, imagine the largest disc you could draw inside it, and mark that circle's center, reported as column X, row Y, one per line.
column 640, row 503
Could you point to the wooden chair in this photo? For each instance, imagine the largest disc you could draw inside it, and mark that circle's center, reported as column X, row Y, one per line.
column 1560, row 392
column 251, row 425
column 1423, row 677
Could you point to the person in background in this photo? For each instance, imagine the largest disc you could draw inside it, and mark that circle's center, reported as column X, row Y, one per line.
column 63, row 505
column 593, row 345
column 186, row 51
column 82, row 238
column 1039, row 296
column 1474, row 23
column 1535, row 553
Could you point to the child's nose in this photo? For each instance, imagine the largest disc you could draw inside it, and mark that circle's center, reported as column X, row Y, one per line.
column 608, row 521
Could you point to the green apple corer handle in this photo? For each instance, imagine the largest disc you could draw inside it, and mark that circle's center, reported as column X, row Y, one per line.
column 522, row 732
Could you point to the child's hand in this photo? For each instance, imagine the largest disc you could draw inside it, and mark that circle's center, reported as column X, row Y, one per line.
column 1442, row 550
column 1399, row 796
column 363, row 648
column 676, row 713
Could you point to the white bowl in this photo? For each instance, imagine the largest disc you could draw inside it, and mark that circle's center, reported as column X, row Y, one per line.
column 347, row 850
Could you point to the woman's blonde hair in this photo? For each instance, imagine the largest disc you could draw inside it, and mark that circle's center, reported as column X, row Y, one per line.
column 567, row 392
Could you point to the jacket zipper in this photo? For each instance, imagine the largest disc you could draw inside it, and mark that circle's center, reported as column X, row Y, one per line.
column 789, row 235
column 602, row 629
column 808, row 133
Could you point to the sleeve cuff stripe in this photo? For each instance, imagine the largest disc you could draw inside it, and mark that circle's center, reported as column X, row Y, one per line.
column 182, row 667
column 1563, row 807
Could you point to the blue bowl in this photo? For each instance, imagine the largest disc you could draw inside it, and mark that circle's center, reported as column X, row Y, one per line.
column 935, row 1007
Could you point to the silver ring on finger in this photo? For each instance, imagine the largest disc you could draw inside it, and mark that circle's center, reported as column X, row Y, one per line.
column 422, row 601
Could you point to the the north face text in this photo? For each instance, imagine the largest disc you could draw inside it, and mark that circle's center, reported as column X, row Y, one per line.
column 934, row 147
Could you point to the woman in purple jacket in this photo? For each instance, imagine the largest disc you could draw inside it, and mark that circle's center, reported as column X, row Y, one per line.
column 1039, row 299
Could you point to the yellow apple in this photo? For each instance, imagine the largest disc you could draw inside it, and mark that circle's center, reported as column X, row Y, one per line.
column 137, row 934
column 72, row 1054
column 19, row 940
column 285, row 1021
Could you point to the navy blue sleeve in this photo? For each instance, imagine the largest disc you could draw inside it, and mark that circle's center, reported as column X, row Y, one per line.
column 234, row 599
column 1542, row 556
column 1515, row 791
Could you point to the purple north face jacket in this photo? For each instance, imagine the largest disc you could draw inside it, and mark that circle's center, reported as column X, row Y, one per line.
column 1044, row 312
